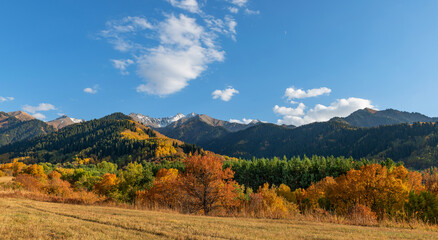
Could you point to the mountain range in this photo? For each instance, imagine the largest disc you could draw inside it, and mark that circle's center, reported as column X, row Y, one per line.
column 158, row 122
column 371, row 118
column 18, row 126
column 116, row 138
column 402, row 136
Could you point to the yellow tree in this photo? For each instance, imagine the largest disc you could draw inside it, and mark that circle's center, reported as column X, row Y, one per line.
column 36, row 171
column 107, row 184
column 384, row 191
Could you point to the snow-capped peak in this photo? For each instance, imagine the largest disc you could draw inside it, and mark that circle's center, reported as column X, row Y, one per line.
column 177, row 117
column 159, row 122
column 76, row 120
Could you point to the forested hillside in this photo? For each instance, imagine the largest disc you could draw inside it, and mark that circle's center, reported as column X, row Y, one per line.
column 372, row 118
column 414, row 144
column 118, row 138
column 113, row 138
column 17, row 126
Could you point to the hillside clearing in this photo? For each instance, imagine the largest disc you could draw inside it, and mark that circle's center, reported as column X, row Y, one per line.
column 28, row 219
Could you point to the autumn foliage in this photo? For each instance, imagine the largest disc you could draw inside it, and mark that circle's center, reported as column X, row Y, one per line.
column 202, row 188
column 203, row 184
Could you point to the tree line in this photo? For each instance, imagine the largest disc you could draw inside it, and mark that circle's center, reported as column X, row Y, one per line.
column 362, row 192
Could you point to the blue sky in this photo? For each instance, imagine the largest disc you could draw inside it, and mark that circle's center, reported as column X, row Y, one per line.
column 280, row 61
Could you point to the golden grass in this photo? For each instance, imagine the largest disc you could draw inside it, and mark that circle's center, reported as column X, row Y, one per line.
column 6, row 179
column 29, row 219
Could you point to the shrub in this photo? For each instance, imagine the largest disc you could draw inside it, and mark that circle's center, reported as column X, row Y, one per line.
column 56, row 186
column 267, row 203
column 361, row 215
column 29, row 182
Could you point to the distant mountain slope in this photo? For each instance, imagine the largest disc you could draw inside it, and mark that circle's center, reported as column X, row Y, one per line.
column 63, row 121
column 113, row 138
column 17, row 126
column 201, row 129
column 415, row 144
column 372, row 118
column 194, row 130
column 20, row 115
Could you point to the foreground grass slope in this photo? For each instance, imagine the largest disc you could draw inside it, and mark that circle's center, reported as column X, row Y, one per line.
column 28, row 219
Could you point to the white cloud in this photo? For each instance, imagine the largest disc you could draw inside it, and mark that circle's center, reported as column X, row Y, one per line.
column 225, row 95
column 189, row 5
column 122, row 64
column 6, row 99
column 184, row 52
column 231, row 24
column 239, row 3
column 39, row 116
column 320, row 113
column 288, row 111
column 40, row 107
column 226, row 26
column 252, row 12
column 118, row 32
column 292, row 93
column 243, row 121
column 233, row 10
column 171, row 52
column 92, row 90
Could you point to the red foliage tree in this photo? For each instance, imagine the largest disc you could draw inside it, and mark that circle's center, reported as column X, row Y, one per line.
column 206, row 183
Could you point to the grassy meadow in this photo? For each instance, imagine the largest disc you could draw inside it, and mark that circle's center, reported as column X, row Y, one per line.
column 29, row 219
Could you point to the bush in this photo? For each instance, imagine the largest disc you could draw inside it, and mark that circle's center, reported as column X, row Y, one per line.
column 361, row 215
column 29, row 182
column 57, row 187
column 267, row 203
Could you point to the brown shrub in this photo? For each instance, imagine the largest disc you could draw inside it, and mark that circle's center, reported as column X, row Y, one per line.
column 29, row 182
column 56, row 186
column 361, row 215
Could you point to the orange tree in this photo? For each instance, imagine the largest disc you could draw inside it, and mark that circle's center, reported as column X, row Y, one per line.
column 165, row 192
column 206, row 183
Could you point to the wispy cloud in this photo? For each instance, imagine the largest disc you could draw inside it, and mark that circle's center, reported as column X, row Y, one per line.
column 252, row 12
column 6, row 99
column 170, row 53
column 239, row 3
column 225, row 95
column 39, row 116
column 233, row 10
column 189, row 5
column 91, row 90
column 122, row 64
column 40, row 107
column 119, row 32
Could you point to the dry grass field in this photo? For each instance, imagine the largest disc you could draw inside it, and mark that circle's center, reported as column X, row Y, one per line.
column 28, row 219
column 5, row 179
